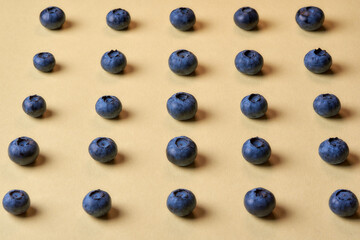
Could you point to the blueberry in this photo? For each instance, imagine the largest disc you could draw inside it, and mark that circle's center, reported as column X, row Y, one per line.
column 108, row 107
column 181, row 151
column 113, row 61
column 259, row 202
column 310, row 18
column 343, row 203
column 327, row 105
column 318, row 61
column 333, row 150
column 16, row 202
column 183, row 62
column 103, row 149
column 34, row 106
column 97, row 203
column 52, row 18
column 254, row 106
column 249, row 62
column 23, row 150
column 44, row 61
column 182, row 18
column 181, row 202
column 246, row 18
column 256, row 150
column 182, row 106
column 118, row 19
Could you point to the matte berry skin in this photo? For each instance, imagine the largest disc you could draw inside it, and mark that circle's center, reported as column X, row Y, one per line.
column 118, row 19
column 327, row 105
column 103, row 149
column 256, row 150
column 97, row 203
column 16, row 202
column 182, row 62
column 182, row 18
column 259, row 202
column 343, row 203
column 108, row 107
column 52, row 18
column 113, row 61
column 246, row 18
column 249, row 62
column 254, row 106
column 182, row 106
column 181, row 151
column 310, row 18
column 334, row 150
column 34, row 106
column 181, row 202
column 44, row 62
column 23, row 150
column 318, row 61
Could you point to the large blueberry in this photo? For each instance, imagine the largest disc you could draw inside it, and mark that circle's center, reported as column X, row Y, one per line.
column 118, row 19
column 334, row 150
column 97, row 203
column 181, row 202
column 249, row 62
column 182, row 62
column 44, row 61
column 34, row 106
column 327, row 105
column 310, row 18
column 259, row 202
column 16, row 202
column 113, row 61
column 103, row 149
column 181, row 151
column 182, row 18
column 256, row 150
column 318, row 61
column 52, row 18
column 254, row 106
column 23, row 150
column 182, row 106
column 108, row 107
column 343, row 203
column 246, row 18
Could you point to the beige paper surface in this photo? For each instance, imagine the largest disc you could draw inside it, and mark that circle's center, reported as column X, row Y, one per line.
column 141, row 178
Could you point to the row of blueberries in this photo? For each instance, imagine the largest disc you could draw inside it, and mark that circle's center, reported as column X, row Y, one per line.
column 183, row 62
column 183, row 106
column 259, row 202
column 308, row 18
column 181, row 151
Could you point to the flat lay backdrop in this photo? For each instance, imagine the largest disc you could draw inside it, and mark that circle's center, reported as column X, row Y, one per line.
column 141, row 177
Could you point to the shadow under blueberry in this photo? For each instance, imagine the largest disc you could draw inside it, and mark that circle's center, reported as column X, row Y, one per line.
column 199, row 162
column 273, row 161
column 58, row 67
column 197, row 213
column 48, row 113
column 124, row 114
column 344, row 113
column 67, row 24
column 119, row 159
column 199, row 116
column 277, row 214
column 334, row 69
column 31, row 212
column 270, row 114
column 40, row 160
column 327, row 26
column 199, row 25
column 112, row 214
column 200, row 70
column 351, row 160
column 265, row 70
column 262, row 25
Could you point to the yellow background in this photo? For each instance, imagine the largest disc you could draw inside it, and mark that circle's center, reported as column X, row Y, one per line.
column 141, row 178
